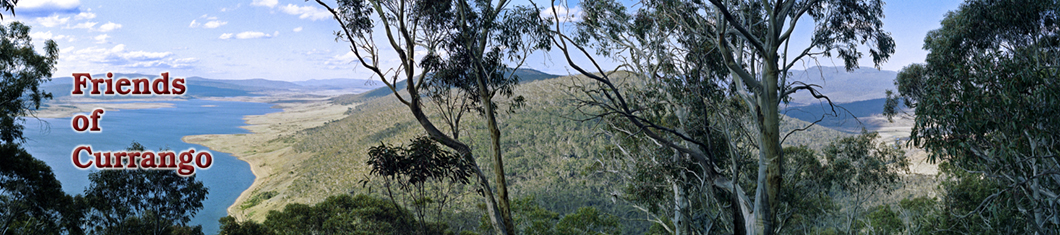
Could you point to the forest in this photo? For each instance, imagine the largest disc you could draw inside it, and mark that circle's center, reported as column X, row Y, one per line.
column 686, row 135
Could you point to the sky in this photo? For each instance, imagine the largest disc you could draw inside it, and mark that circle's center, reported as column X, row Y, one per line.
column 290, row 40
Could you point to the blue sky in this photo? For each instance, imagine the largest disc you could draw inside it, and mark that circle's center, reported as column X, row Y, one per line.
column 284, row 40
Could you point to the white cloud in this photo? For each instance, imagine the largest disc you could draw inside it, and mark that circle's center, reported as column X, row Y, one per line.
column 49, row 35
column 144, row 55
column 565, row 14
column 118, row 48
column 214, row 24
column 43, row 7
column 109, row 26
column 299, row 29
column 52, row 21
column 211, row 23
column 306, row 12
column 83, row 25
column 117, row 56
column 227, row 9
column 84, row 16
column 169, row 63
column 264, row 3
column 341, row 61
column 250, row 35
column 102, row 38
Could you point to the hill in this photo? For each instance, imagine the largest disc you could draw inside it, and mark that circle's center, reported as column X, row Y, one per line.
column 525, row 76
column 550, row 156
column 842, row 86
column 339, row 83
column 848, row 117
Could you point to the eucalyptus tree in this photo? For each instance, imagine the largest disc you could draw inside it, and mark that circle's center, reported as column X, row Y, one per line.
column 22, row 71
column 412, row 168
column 752, row 40
column 986, row 103
column 473, row 46
column 142, row 201
column 31, row 199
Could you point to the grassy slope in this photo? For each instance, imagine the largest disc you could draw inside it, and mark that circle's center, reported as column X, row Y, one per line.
column 547, row 154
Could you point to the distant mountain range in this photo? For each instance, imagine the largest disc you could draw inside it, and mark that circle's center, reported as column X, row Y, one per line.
column 842, row 86
column 859, row 92
column 525, row 76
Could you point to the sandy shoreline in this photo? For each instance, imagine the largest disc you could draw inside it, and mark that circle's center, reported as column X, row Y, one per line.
column 64, row 110
column 266, row 148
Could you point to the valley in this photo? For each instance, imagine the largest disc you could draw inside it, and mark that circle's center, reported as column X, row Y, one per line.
column 316, row 146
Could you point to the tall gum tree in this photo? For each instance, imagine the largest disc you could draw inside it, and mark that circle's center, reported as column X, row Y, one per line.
column 469, row 46
column 752, row 39
column 986, row 103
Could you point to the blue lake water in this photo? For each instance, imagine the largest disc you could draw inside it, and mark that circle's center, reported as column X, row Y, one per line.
column 53, row 140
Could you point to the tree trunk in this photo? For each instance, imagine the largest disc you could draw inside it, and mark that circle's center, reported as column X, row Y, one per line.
column 496, row 214
column 682, row 224
column 495, row 147
column 770, row 152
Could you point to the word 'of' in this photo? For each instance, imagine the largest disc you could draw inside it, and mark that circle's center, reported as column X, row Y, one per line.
column 164, row 160
column 81, row 122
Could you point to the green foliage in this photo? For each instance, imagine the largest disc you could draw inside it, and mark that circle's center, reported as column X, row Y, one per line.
column 587, row 220
column 31, row 199
column 921, row 214
column 883, row 220
column 853, row 170
column 22, row 71
column 229, row 226
column 389, row 132
column 964, row 211
column 723, row 69
column 153, row 201
column 341, row 214
column 257, row 198
column 148, row 224
column 422, row 161
column 805, row 196
column 548, row 155
column 423, row 170
column 986, row 102
column 531, row 218
column 857, row 163
column 473, row 46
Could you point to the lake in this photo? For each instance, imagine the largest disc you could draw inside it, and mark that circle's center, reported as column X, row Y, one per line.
column 52, row 140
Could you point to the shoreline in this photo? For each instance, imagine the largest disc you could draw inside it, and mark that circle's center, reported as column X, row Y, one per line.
column 268, row 148
column 66, row 110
